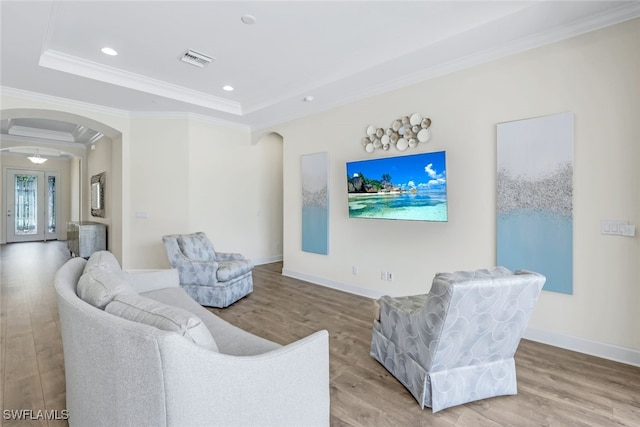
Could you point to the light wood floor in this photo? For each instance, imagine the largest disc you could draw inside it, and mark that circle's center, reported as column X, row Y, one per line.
column 555, row 387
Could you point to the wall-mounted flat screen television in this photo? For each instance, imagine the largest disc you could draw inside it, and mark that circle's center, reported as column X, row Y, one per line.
column 412, row 187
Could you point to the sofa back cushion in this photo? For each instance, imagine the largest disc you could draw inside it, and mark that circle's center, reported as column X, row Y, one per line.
column 162, row 316
column 99, row 286
column 102, row 280
column 102, row 259
column 197, row 247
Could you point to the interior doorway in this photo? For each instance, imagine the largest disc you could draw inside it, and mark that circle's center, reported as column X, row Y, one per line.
column 32, row 205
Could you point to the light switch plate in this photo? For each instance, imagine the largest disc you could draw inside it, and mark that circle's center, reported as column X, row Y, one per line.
column 617, row 228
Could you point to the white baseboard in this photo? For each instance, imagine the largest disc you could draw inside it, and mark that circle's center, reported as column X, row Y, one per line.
column 268, row 260
column 331, row 284
column 613, row 352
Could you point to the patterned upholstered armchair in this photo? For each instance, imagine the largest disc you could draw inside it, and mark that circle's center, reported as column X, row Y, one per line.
column 215, row 279
column 457, row 343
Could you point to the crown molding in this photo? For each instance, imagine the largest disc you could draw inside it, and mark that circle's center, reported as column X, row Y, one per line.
column 24, row 141
column 71, row 64
column 189, row 116
column 60, row 157
column 218, row 122
column 33, row 150
column 274, row 112
column 558, row 34
column 40, row 133
column 612, row 17
column 62, row 102
column 69, row 103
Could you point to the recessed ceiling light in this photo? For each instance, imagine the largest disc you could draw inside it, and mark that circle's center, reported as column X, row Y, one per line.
column 308, row 98
column 228, row 88
column 248, row 19
column 109, row 51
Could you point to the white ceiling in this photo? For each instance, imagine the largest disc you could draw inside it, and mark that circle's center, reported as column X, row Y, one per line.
column 335, row 51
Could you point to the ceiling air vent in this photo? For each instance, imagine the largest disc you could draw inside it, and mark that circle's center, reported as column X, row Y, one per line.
column 195, row 58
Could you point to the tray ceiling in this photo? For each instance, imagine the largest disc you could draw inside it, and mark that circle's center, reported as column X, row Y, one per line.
column 336, row 52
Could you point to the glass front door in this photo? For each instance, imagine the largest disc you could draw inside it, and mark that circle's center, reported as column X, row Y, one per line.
column 31, row 205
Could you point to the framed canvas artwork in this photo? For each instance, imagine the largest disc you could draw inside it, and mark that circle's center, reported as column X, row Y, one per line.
column 315, row 203
column 535, row 198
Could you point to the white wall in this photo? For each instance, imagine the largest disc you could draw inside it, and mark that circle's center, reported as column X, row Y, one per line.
column 74, row 189
column 158, row 186
column 235, row 190
column 98, row 161
column 190, row 174
column 118, row 197
column 597, row 77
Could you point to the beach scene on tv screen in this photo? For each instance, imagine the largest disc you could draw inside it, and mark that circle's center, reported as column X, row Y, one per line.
column 410, row 187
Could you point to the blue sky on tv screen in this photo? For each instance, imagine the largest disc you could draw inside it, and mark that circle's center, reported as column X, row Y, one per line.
column 425, row 170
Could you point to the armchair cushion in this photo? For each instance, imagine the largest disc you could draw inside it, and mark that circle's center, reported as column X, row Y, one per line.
column 230, row 269
column 197, row 247
column 162, row 316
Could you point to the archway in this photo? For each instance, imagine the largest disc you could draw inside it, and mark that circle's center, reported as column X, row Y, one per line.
column 272, row 144
column 84, row 160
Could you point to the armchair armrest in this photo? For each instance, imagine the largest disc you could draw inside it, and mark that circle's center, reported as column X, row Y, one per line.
column 151, row 280
column 191, row 272
column 404, row 305
column 229, row 256
column 201, row 273
column 412, row 323
column 194, row 272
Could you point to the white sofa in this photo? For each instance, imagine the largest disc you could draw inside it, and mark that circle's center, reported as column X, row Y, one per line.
column 204, row 372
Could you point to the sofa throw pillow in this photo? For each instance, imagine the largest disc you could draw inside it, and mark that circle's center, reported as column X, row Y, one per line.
column 162, row 316
column 102, row 259
column 100, row 285
column 197, row 247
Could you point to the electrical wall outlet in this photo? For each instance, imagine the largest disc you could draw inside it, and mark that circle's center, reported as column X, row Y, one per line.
column 387, row 276
column 355, row 270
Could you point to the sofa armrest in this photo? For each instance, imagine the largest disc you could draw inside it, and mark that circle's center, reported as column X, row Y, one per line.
column 285, row 386
column 151, row 280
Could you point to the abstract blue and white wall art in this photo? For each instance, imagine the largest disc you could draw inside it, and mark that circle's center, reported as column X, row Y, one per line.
column 315, row 203
column 535, row 198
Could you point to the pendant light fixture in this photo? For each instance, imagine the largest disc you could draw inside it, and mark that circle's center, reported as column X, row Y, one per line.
column 37, row 159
